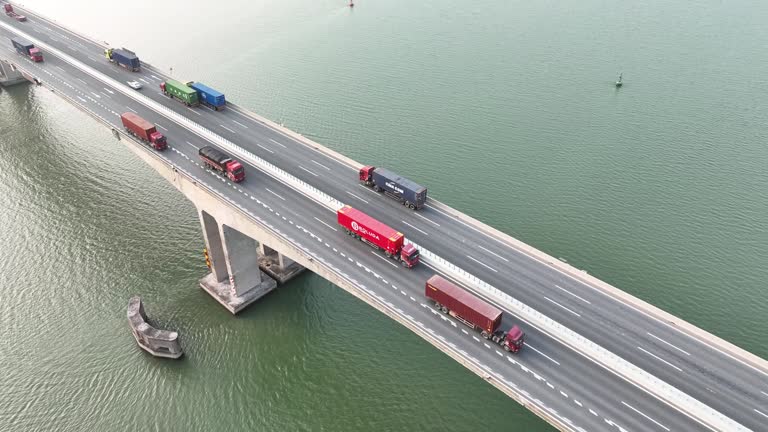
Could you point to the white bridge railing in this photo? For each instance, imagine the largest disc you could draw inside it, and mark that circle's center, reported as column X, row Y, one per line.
column 577, row 342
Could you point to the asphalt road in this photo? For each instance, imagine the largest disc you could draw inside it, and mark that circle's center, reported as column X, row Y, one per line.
column 727, row 385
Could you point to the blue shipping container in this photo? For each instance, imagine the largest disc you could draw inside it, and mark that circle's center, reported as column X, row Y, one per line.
column 127, row 59
column 209, row 96
column 400, row 187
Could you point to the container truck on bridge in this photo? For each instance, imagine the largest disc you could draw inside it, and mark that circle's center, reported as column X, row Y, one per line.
column 10, row 12
column 208, row 96
column 473, row 312
column 124, row 58
column 223, row 163
column 143, row 130
column 174, row 89
column 410, row 194
column 27, row 48
column 378, row 235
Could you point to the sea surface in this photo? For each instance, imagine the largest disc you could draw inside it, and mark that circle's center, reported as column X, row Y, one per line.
column 506, row 110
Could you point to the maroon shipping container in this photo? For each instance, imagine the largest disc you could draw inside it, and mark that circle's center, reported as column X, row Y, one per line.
column 463, row 305
column 143, row 130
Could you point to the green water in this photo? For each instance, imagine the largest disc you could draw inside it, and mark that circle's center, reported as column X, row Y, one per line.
column 505, row 109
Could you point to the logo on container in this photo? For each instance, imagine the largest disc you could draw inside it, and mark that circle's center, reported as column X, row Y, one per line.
column 394, row 187
column 355, row 226
column 364, row 231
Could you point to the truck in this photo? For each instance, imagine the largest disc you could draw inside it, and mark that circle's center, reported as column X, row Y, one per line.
column 472, row 311
column 124, row 58
column 378, row 235
column 409, row 193
column 208, row 96
column 180, row 91
column 11, row 13
column 143, row 130
column 27, row 48
column 223, row 163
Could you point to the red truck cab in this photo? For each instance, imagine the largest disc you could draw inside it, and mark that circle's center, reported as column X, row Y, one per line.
column 409, row 255
column 158, row 141
column 36, row 55
column 366, row 174
column 235, row 171
column 510, row 341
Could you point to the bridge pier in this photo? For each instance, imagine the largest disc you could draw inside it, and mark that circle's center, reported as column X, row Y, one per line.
column 277, row 265
column 235, row 280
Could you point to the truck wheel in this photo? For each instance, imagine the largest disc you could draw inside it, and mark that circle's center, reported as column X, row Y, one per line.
column 506, row 347
column 484, row 334
column 377, row 189
column 437, row 305
column 444, row 309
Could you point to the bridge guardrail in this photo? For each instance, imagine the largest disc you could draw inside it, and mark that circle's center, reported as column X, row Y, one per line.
column 579, row 343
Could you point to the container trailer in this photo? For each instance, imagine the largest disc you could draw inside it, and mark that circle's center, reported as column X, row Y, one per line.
column 473, row 312
column 409, row 193
column 174, row 89
column 378, row 235
column 27, row 48
column 208, row 96
column 143, row 130
column 124, row 58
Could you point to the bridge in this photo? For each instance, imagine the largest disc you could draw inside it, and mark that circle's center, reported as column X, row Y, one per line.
column 595, row 358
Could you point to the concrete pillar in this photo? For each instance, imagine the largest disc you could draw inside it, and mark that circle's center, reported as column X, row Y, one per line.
column 277, row 265
column 242, row 259
column 214, row 246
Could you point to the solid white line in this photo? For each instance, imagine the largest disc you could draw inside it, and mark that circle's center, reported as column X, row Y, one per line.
column 318, row 163
column 382, row 258
column 492, row 253
column 593, row 413
column 563, row 393
column 161, row 127
column 563, row 289
column 190, row 109
column 96, row 94
column 268, row 190
column 155, row 77
column 196, row 147
column 662, row 340
column 357, row 197
column 562, row 306
column 659, row 358
column 426, row 219
column 639, row 412
column 308, row 171
column 227, row 128
column 764, row 393
column 132, row 109
column 239, row 124
column 281, row 145
column 483, row 264
column 82, row 99
column 142, row 79
column 325, row 224
column 265, row 148
column 109, row 91
column 762, row 414
column 550, row 358
column 415, row 228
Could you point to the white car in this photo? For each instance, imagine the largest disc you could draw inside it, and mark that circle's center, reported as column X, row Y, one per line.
column 134, row 84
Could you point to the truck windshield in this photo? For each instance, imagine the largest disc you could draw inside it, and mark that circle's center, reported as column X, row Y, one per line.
column 238, row 170
column 414, row 254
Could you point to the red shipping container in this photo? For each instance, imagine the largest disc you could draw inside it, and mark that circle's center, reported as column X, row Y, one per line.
column 466, row 305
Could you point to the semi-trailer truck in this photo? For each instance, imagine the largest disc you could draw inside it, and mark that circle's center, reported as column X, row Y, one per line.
column 473, row 312
column 180, row 91
column 143, row 130
column 378, row 235
column 410, row 194
column 222, row 163
column 124, row 58
column 208, row 96
column 11, row 13
column 27, row 48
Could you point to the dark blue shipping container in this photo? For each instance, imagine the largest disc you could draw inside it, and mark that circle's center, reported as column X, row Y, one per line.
column 209, row 96
column 22, row 45
column 400, row 187
column 126, row 59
